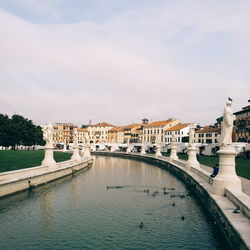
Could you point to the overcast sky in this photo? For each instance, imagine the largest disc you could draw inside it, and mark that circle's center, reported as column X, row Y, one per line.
column 120, row 61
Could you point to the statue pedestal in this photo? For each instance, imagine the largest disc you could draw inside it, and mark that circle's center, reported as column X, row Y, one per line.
column 64, row 148
column 49, row 157
column 158, row 151
column 76, row 156
column 173, row 154
column 192, row 159
column 82, row 151
column 86, row 153
column 227, row 176
column 143, row 152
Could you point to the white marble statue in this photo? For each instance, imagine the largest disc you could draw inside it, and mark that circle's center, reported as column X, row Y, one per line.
column 227, row 126
column 75, row 136
column 173, row 139
column 48, row 134
column 191, row 134
column 86, row 139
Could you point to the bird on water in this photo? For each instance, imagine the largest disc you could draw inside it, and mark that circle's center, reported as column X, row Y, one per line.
column 141, row 225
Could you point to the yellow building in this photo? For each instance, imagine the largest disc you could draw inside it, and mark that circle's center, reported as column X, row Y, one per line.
column 116, row 135
column 99, row 132
column 156, row 130
column 82, row 134
column 130, row 130
column 63, row 131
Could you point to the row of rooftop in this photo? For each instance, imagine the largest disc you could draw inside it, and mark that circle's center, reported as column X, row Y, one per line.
column 156, row 131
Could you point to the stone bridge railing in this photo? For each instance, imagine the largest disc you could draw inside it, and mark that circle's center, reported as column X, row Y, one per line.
column 18, row 180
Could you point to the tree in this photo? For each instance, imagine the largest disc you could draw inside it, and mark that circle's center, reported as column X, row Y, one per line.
column 4, row 130
column 19, row 131
column 218, row 122
column 85, row 126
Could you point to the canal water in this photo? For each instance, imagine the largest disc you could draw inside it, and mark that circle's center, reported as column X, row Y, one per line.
column 80, row 212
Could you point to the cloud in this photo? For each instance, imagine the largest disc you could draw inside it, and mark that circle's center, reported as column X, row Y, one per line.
column 171, row 60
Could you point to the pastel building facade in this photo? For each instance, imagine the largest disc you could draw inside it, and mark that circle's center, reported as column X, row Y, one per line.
column 154, row 132
column 63, row 132
column 242, row 124
column 82, row 135
column 116, row 135
column 207, row 135
column 99, row 132
column 180, row 131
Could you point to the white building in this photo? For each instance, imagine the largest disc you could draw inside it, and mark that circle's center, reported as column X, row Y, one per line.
column 180, row 131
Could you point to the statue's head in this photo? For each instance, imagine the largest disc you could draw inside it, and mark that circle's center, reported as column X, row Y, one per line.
column 229, row 103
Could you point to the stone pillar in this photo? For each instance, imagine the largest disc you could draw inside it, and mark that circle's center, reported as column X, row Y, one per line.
column 49, row 154
column 65, row 146
column 49, row 157
column 128, row 148
column 76, row 154
column 173, row 154
column 143, row 152
column 82, row 151
column 158, row 151
column 112, row 149
column 192, row 159
column 227, row 176
column 86, row 153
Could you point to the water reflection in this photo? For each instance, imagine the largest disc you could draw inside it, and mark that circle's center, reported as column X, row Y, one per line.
column 80, row 212
column 46, row 214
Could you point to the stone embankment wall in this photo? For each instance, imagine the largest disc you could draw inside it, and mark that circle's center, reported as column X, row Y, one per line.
column 19, row 180
column 234, row 226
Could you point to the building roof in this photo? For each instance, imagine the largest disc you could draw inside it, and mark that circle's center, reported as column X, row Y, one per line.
column 122, row 128
column 130, row 126
column 116, row 129
column 244, row 110
column 82, row 130
column 178, row 127
column 208, row 129
column 102, row 124
column 159, row 123
column 64, row 124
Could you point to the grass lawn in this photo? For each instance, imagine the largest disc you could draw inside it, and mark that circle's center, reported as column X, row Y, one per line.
column 242, row 165
column 13, row 160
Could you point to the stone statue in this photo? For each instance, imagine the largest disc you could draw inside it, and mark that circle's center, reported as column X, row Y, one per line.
column 173, row 138
column 75, row 136
column 191, row 134
column 227, row 126
column 48, row 134
column 86, row 139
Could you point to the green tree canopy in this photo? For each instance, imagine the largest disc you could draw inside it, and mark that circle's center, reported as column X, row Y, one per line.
column 18, row 130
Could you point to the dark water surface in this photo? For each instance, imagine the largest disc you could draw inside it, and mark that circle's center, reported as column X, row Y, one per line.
column 81, row 213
